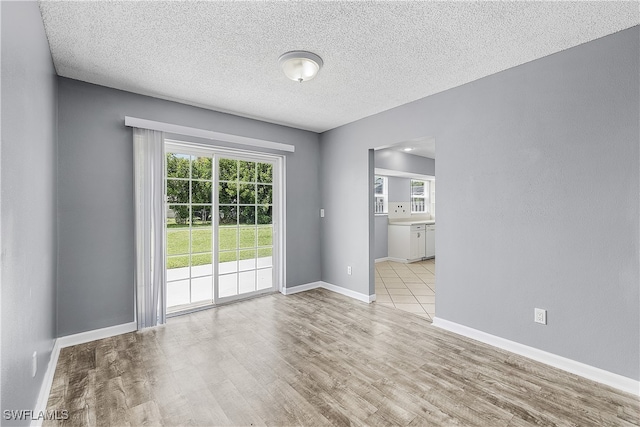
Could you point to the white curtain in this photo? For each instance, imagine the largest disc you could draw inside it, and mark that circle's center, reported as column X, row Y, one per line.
column 148, row 157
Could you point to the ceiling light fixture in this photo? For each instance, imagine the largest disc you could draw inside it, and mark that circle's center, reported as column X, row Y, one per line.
column 407, row 149
column 299, row 65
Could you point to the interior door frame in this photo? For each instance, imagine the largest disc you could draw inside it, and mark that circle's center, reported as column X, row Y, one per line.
column 279, row 213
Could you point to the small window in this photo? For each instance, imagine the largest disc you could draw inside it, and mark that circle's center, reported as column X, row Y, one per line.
column 419, row 196
column 380, row 194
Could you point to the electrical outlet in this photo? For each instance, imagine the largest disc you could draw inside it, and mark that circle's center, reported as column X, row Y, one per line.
column 540, row 316
column 321, row 213
column 349, row 270
column 34, row 364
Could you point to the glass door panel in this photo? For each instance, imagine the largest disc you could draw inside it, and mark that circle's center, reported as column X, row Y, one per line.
column 189, row 230
column 245, row 227
column 227, row 228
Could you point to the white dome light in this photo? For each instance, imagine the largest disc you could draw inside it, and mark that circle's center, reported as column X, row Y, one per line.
column 300, row 66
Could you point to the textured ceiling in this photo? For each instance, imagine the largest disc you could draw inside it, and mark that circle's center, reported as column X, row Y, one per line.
column 377, row 55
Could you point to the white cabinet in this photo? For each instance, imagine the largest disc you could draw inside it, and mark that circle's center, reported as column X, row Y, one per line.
column 407, row 242
column 399, row 239
column 418, row 242
column 430, row 241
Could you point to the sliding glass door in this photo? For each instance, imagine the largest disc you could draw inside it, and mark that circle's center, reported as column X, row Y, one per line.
column 220, row 228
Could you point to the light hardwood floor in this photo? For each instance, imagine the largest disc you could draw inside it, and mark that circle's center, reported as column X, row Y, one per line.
column 318, row 358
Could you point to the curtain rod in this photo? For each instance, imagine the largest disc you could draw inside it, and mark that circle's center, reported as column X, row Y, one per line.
column 207, row 134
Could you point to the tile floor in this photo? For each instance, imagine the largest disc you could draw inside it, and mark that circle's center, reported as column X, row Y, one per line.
column 408, row 287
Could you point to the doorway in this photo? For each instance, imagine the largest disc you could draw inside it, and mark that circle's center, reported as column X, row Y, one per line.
column 223, row 225
column 403, row 234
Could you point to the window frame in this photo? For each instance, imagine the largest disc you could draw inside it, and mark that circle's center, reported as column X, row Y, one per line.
column 426, row 197
column 384, row 196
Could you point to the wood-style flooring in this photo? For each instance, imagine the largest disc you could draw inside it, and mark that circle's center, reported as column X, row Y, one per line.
column 318, row 358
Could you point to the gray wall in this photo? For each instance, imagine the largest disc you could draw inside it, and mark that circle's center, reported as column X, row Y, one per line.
column 398, row 161
column 399, row 189
column 381, row 237
column 28, row 203
column 538, row 201
column 96, row 240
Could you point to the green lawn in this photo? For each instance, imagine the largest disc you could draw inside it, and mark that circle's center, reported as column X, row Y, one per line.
column 235, row 243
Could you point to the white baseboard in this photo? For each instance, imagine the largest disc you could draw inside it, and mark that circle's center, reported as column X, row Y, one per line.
column 47, row 381
column 590, row 372
column 383, row 259
column 349, row 293
column 97, row 334
column 301, row 288
column 68, row 341
column 405, row 261
column 402, row 260
column 333, row 288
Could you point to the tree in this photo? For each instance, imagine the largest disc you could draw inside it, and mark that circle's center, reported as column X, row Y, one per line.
column 202, row 168
column 180, row 213
column 190, row 178
column 177, row 165
column 183, row 173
